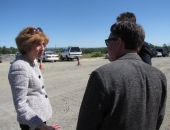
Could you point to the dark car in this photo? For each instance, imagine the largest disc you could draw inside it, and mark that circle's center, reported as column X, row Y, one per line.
column 153, row 52
column 0, row 59
column 18, row 54
column 164, row 51
column 107, row 56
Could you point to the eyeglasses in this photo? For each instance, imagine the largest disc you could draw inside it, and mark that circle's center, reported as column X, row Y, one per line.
column 33, row 31
column 110, row 39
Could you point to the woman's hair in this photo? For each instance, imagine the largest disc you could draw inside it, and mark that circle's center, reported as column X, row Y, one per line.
column 25, row 40
column 131, row 33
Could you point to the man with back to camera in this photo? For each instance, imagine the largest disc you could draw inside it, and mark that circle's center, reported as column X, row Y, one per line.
column 126, row 94
column 144, row 52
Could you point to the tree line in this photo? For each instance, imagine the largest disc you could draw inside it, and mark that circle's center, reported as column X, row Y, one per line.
column 102, row 50
column 5, row 50
column 12, row 50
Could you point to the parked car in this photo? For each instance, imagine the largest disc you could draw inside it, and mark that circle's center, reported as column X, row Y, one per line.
column 0, row 59
column 49, row 56
column 164, row 51
column 159, row 54
column 153, row 52
column 70, row 53
column 17, row 54
column 107, row 56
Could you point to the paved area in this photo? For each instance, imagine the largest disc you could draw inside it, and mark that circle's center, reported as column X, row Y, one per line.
column 65, row 83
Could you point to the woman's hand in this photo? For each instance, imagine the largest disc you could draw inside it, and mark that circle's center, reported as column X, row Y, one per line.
column 44, row 127
column 56, row 127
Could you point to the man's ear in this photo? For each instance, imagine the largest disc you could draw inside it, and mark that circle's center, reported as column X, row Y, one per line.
column 119, row 42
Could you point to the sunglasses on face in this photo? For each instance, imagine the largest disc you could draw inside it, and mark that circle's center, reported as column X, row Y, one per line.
column 33, row 31
column 110, row 39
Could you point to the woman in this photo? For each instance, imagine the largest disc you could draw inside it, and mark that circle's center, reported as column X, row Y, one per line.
column 30, row 98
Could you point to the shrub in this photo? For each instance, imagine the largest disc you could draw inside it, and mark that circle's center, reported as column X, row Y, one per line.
column 97, row 54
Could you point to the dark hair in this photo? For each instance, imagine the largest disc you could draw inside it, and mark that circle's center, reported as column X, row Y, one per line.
column 131, row 33
column 126, row 16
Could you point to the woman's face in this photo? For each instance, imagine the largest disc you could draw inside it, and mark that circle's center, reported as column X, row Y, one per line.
column 37, row 50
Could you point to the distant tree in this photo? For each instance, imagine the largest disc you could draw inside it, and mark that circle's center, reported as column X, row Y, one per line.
column 4, row 50
column 157, row 47
column 91, row 50
column 13, row 50
column 165, row 46
column 168, row 46
column 87, row 51
column 0, row 50
column 151, row 46
column 10, row 50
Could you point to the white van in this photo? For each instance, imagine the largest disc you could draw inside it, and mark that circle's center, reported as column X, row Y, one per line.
column 70, row 53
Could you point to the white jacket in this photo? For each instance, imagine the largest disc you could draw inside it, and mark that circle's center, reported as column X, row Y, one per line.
column 30, row 98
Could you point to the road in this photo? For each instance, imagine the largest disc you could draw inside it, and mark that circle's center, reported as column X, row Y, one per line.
column 65, row 83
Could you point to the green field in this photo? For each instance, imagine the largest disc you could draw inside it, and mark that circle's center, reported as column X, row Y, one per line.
column 86, row 55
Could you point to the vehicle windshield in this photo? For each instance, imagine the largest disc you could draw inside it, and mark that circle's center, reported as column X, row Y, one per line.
column 159, row 50
column 50, row 53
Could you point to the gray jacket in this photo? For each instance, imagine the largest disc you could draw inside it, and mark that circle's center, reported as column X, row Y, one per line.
column 126, row 94
column 30, row 98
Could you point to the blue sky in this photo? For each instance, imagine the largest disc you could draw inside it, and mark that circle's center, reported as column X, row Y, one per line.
column 85, row 23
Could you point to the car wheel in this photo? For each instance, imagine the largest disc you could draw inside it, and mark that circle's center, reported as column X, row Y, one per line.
column 61, row 57
column 54, row 60
column 67, row 58
column 77, row 59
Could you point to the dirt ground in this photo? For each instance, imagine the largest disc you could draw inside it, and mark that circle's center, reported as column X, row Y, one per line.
column 65, row 83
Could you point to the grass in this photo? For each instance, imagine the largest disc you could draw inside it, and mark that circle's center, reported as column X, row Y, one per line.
column 86, row 55
column 83, row 56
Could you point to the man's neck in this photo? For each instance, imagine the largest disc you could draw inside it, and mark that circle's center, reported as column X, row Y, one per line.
column 125, row 51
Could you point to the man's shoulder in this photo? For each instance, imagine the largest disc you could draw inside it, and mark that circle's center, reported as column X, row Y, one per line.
column 146, row 44
column 111, row 67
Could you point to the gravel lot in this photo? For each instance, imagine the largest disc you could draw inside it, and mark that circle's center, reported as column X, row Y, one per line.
column 65, row 83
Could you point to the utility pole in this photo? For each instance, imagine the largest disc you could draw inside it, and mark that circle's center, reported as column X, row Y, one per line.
column 55, row 48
